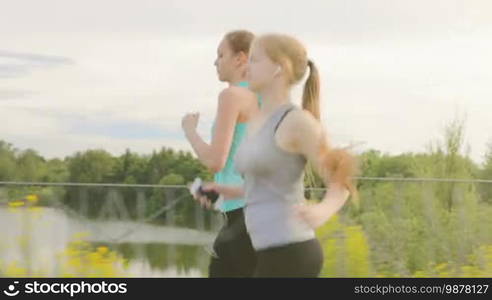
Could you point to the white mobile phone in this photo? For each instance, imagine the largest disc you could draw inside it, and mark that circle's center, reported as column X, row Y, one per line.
column 195, row 186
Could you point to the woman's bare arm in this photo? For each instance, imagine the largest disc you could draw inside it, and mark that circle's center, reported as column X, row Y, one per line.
column 302, row 133
column 214, row 155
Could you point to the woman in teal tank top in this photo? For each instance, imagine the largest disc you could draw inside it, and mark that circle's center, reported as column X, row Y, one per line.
column 233, row 254
column 228, row 174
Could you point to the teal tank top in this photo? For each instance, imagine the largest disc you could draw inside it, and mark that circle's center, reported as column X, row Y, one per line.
column 228, row 175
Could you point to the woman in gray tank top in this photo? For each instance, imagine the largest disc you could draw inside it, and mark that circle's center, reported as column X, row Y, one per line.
column 272, row 158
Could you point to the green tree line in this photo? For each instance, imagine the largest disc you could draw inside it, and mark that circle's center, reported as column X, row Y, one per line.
column 399, row 228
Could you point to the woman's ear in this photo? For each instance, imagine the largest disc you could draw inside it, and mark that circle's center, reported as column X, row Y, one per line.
column 278, row 70
column 241, row 57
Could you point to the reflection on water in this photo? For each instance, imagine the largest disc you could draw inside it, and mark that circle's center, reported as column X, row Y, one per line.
column 164, row 260
column 34, row 237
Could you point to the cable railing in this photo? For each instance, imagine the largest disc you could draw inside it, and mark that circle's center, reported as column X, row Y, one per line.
column 407, row 179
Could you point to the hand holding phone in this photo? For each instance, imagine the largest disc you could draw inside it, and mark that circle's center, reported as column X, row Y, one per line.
column 197, row 191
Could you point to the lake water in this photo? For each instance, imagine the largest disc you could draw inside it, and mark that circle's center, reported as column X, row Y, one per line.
column 33, row 238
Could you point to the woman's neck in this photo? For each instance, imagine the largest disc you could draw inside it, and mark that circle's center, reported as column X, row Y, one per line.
column 237, row 78
column 274, row 97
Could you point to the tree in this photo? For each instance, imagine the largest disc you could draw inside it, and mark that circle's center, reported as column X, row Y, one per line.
column 56, row 171
column 91, row 166
column 486, row 173
column 7, row 162
column 30, row 166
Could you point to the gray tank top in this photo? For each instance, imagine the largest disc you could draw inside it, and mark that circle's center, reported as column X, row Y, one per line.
column 273, row 182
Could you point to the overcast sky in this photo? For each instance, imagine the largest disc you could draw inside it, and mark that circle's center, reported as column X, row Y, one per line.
column 78, row 75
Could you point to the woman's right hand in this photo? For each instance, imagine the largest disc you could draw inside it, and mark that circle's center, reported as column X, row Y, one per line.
column 226, row 191
column 207, row 187
column 202, row 199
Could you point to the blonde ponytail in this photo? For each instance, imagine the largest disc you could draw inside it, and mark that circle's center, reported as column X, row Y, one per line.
column 310, row 96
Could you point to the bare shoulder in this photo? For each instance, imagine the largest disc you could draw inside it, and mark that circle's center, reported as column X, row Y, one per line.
column 241, row 100
column 301, row 122
column 233, row 93
column 298, row 130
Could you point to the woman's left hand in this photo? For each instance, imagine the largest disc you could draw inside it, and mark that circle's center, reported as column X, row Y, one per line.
column 190, row 121
column 317, row 214
column 314, row 215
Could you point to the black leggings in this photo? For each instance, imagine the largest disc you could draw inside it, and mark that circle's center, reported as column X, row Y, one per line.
column 304, row 259
column 235, row 254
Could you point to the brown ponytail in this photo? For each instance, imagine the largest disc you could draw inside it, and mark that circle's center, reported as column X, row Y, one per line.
column 310, row 96
column 340, row 166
